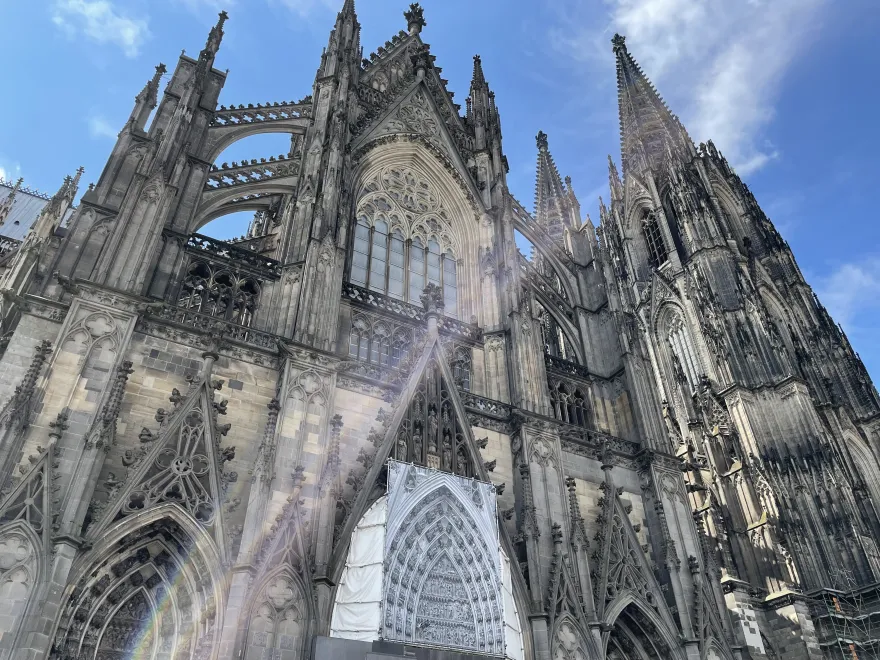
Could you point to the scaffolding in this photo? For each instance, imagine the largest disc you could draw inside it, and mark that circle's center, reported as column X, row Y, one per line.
column 847, row 619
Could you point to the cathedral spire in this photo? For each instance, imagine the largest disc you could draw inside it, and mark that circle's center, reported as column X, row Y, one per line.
column 53, row 213
column 551, row 198
column 614, row 182
column 215, row 36
column 478, row 79
column 146, row 101
column 212, row 46
column 648, row 130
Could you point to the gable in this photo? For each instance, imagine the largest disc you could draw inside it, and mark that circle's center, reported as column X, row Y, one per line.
column 181, row 464
column 416, row 115
column 428, row 426
column 30, row 501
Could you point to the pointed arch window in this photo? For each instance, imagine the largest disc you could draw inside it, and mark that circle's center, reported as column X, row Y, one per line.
column 556, row 343
column 569, row 404
column 684, row 356
column 378, row 343
column 219, row 293
column 461, row 368
column 383, row 261
column 657, row 255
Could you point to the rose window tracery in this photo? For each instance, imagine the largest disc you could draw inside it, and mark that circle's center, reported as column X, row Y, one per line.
column 180, row 473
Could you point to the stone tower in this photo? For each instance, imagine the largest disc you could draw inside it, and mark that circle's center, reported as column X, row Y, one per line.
column 372, row 428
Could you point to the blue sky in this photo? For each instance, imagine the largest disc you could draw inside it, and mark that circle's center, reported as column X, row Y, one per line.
column 786, row 89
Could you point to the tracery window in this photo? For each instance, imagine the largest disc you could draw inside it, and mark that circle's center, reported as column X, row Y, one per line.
column 569, row 404
column 379, row 342
column 657, row 255
column 683, row 353
column 277, row 628
column 402, row 241
column 461, row 368
column 555, row 341
column 219, row 293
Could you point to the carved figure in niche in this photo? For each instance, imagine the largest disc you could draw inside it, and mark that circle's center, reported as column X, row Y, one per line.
column 447, row 451
column 401, row 445
column 433, row 427
column 417, row 444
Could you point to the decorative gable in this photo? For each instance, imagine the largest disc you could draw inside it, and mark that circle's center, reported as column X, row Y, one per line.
column 181, row 464
column 30, row 501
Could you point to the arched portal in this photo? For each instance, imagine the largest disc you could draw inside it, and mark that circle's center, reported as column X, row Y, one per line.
column 358, row 607
column 636, row 635
column 150, row 589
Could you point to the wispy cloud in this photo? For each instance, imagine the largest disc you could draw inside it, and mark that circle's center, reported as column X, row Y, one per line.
column 851, row 292
column 9, row 172
column 719, row 63
column 100, row 21
column 100, row 127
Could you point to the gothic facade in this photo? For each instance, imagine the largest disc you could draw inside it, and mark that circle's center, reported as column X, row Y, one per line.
column 372, row 428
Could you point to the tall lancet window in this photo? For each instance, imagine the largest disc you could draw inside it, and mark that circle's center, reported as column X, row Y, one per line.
column 683, row 354
column 657, row 255
column 556, row 342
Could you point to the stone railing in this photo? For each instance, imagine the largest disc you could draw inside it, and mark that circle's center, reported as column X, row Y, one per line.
column 210, row 248
column 203, row 322
column 447, row 325
column 250, row 114
column 7, row 245
column 252, row 171
column 560, row 366
column 582, row 436
column 484, row 406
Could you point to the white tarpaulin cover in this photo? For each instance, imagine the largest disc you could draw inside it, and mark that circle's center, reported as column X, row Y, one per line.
column 357, row 613
column 358, row 610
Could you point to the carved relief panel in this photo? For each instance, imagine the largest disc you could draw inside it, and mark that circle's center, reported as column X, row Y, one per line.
column 442, row 582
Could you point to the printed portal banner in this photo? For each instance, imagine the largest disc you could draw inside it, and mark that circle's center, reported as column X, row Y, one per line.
column 442, row 573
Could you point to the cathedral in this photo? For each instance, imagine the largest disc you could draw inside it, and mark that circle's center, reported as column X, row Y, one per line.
column 371, row 428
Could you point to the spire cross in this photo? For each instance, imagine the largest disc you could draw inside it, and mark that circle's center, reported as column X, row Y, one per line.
column 619, row 42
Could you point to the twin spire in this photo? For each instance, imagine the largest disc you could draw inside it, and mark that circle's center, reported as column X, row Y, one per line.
column 555, row 204
column 648, row 130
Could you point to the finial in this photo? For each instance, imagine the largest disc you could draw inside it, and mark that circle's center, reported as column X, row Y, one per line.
column 542, row 141
column 619, row 43
column 215, row 36
column 479, row 78
column 415, row 18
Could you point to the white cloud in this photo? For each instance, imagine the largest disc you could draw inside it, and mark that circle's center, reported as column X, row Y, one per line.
column 10, row 172
column 852, row 291
column 100, row 127
column 100, row 21
column 719, row 63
